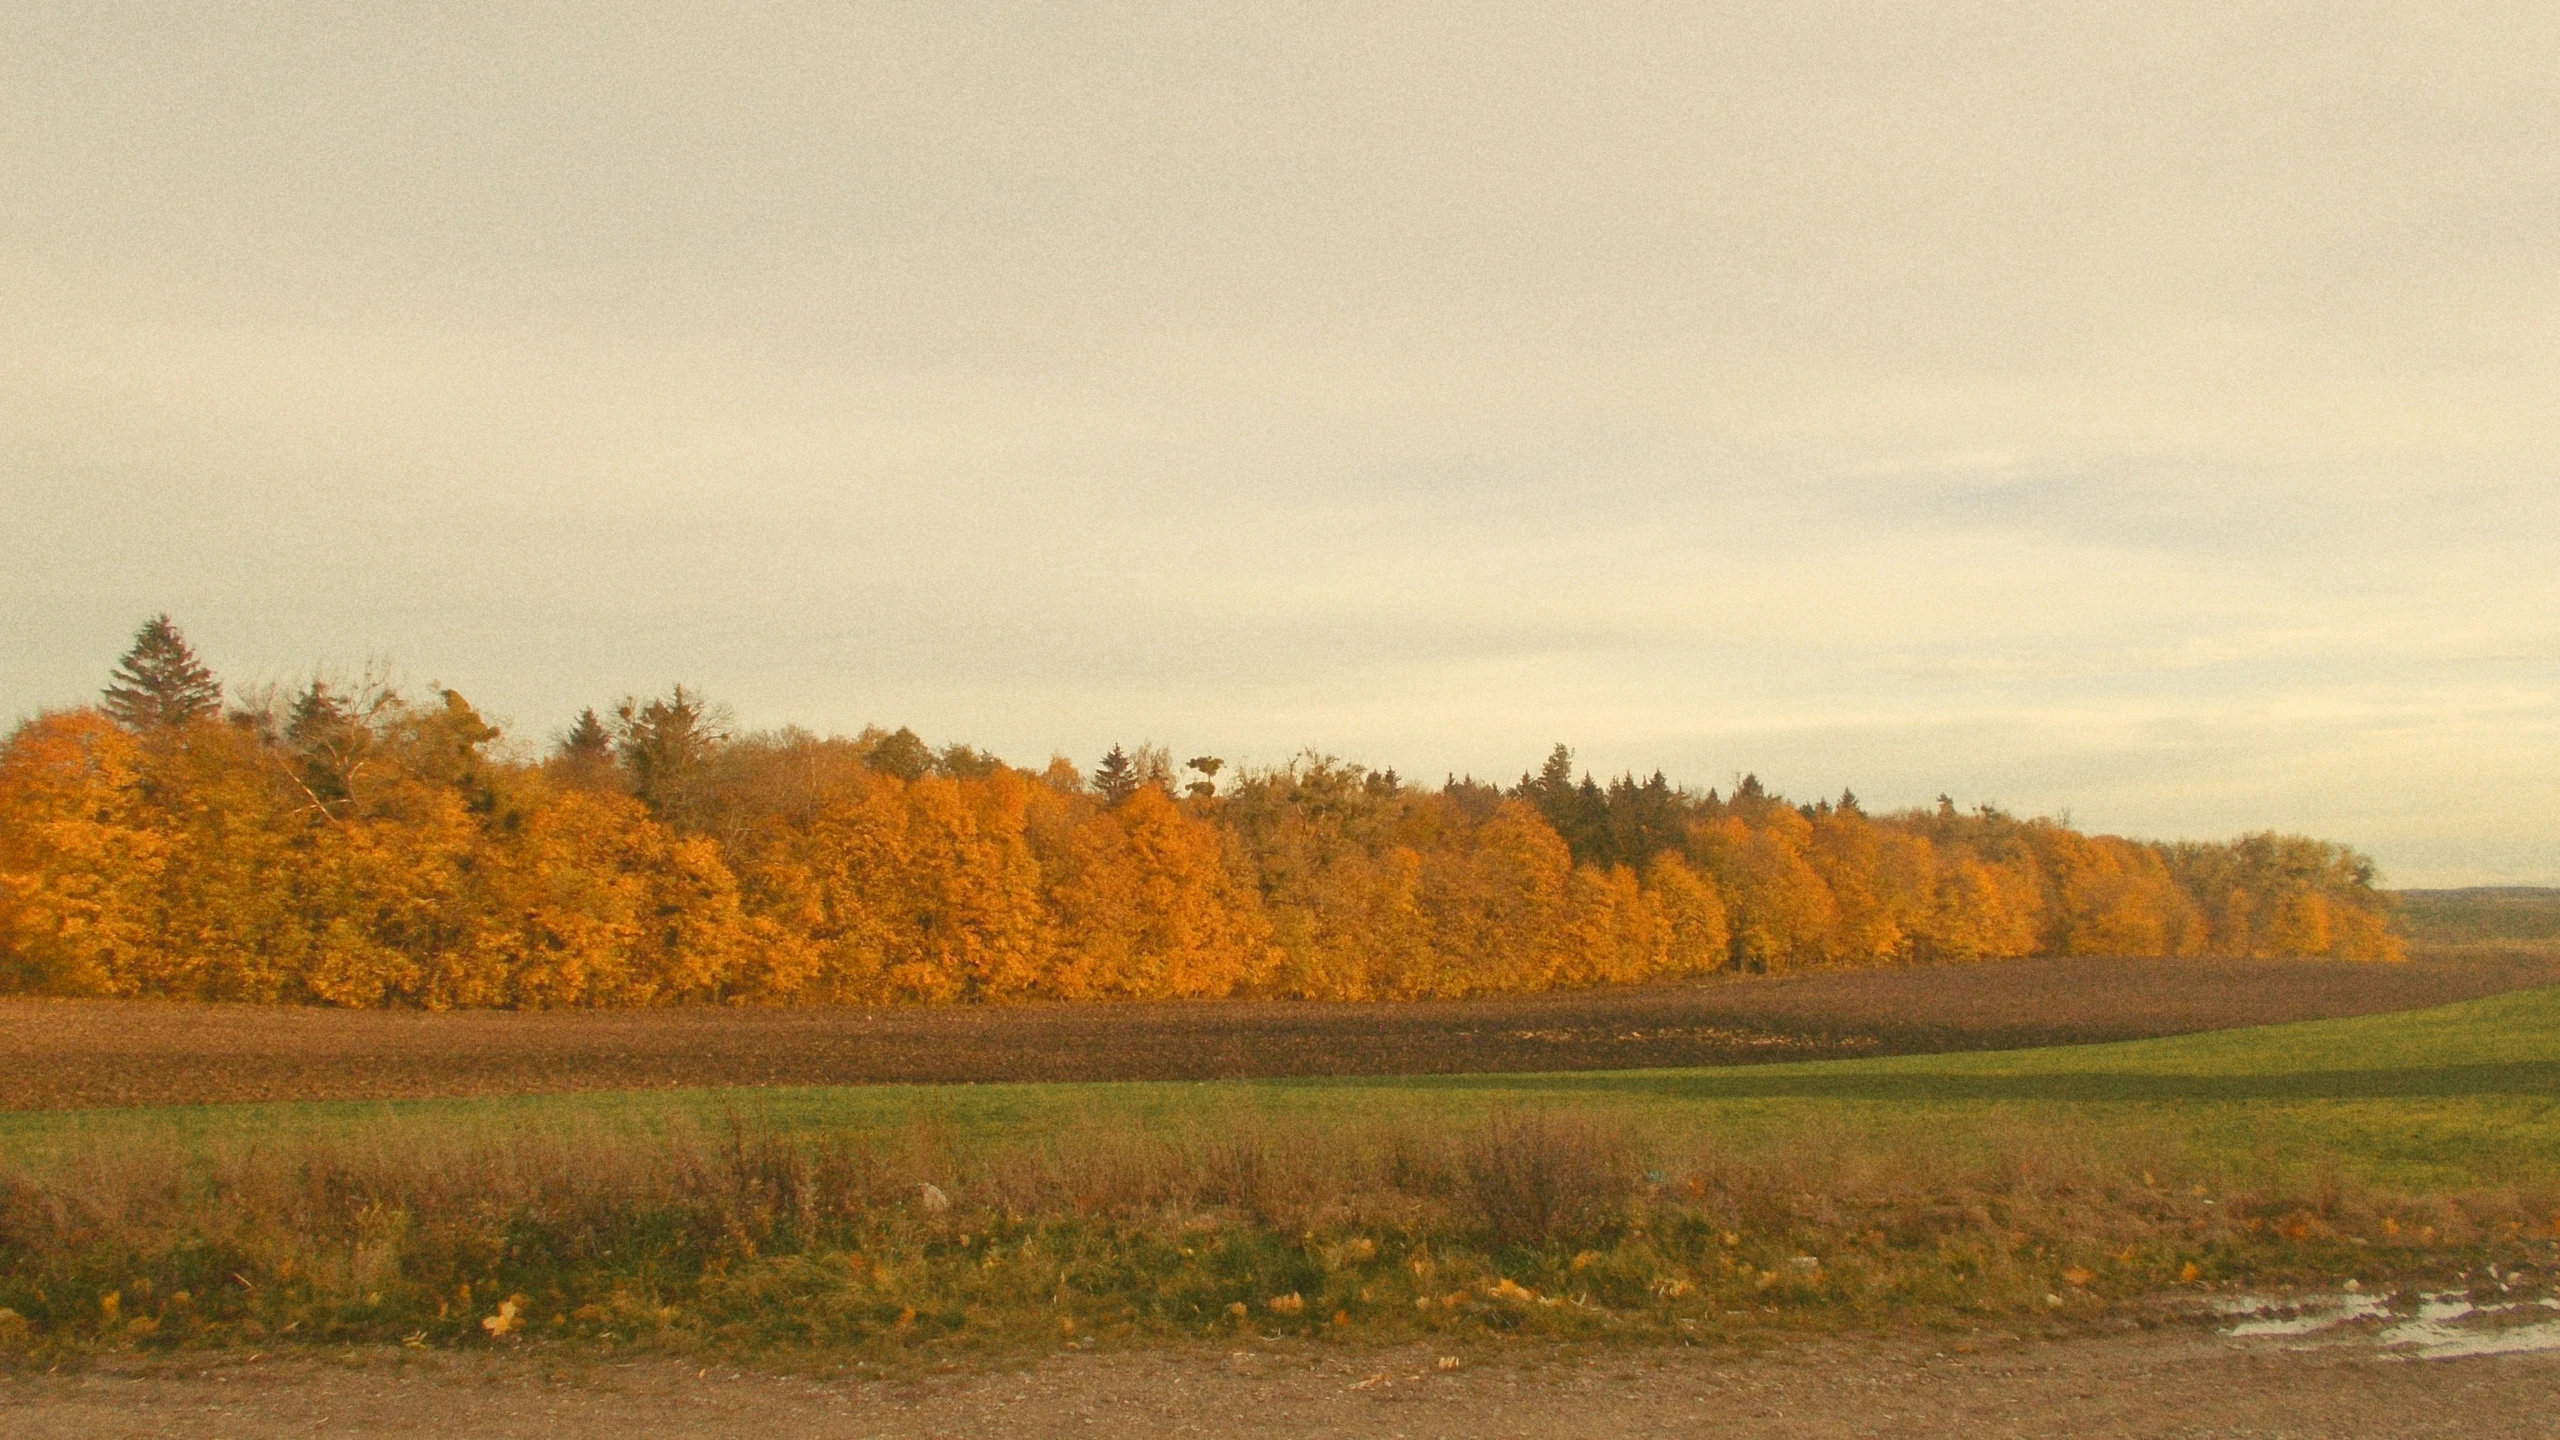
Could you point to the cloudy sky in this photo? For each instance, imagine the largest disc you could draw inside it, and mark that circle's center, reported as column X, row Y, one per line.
column 2149, row 412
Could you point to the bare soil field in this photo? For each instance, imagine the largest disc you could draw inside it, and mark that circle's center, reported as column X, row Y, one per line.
column 63, row 1054
column 2176, row 1382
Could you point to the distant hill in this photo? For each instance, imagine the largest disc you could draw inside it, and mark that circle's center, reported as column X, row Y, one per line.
column 2483, row 915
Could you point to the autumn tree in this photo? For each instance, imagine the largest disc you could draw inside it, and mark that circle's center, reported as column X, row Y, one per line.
column 1333, row 846
column 966, row 762
column 901, row 753
column 344, row 844
column 1496, row 902
column 1150, row 906
column 81, row 859
column 1782, row 915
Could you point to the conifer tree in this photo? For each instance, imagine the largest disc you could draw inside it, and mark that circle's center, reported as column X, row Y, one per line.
column 159, row 684
column 1117, row 777
column 587, row 741
column 666, row 746
column 584, row 756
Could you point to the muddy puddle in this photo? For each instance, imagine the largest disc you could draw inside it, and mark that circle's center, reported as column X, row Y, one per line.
column 2414, row 1325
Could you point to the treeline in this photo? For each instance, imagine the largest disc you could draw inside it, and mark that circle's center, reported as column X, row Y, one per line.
column 348, row 845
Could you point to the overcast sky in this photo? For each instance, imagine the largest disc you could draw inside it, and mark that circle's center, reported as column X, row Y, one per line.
column 2149, row 412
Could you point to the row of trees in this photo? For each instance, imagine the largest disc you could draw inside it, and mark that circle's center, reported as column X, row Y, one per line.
column 349, row 845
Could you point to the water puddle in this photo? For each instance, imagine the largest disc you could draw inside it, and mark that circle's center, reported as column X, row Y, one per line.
column 2307, row 1315
column 2434, row 1325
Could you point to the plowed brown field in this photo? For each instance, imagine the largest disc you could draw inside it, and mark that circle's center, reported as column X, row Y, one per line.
column 57, row 1054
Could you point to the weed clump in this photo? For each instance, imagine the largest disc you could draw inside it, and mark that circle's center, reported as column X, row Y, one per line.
column 1542, row 1178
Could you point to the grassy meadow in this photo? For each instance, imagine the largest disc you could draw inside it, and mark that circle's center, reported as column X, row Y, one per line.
column 882, row 1221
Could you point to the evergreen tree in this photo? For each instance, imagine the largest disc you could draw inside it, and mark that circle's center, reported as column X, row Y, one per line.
column 332, row 739
column 587, row 740
column 159, row 684
column 1117, row 777
column 584, row 756
column 666, row 746
column 1576, row 811
column 1644, row 819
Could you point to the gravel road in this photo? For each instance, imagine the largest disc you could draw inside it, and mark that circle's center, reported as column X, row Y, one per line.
column 2176, row 1382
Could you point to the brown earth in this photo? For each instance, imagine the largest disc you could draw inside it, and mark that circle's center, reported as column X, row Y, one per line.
column 2177, row 1382
column 61, row 1053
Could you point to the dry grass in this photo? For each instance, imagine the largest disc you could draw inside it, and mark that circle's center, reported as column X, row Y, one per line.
column 1528, row 1222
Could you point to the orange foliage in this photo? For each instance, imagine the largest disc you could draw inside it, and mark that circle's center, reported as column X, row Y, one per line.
column 80, row 861
column 359, row 850
column 1150, row 906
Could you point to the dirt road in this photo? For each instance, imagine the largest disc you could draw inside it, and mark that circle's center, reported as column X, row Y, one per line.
column 2164, row 1383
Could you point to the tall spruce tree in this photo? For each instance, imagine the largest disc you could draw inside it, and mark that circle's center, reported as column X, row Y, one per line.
column 584, row 756
column 159, row 684
column 1117, row 777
